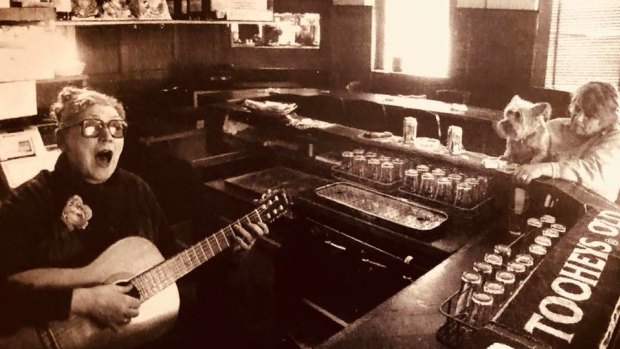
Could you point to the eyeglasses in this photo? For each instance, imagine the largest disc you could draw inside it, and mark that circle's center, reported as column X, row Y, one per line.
column 91, row 128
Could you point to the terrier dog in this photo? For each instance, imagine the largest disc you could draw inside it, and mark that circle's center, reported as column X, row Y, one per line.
column 525, row 130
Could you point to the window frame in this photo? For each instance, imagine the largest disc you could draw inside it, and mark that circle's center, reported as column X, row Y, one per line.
column 378, row 44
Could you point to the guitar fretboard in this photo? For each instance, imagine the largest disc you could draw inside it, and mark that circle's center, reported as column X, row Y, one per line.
column 167, row 272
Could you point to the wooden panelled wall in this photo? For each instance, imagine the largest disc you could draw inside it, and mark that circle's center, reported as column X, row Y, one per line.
column 151, row 55
column 493, row 52
column 117, row 54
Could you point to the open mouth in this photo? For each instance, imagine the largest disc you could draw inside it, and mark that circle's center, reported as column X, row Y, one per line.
column 103, row 158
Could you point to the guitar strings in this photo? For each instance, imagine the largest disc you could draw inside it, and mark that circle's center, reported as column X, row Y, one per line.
column 167, row 272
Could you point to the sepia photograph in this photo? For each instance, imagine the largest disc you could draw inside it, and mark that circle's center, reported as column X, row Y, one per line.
column 296, row 174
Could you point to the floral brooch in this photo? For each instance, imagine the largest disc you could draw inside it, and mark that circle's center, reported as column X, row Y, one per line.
column 76, row 213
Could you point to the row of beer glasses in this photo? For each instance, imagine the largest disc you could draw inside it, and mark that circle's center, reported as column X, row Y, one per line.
column 492, row 281
column 371, row 165
column 455, row 188
column 434, row 182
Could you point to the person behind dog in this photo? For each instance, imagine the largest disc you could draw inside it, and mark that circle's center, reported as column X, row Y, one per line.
column 67, row 217
column 585, row 148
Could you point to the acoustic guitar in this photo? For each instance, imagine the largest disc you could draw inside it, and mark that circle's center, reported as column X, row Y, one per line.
column 136, row 261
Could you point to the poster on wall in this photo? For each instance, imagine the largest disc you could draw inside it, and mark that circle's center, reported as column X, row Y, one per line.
column 243, row 10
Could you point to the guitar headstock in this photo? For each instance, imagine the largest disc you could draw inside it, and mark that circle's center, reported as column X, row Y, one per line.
column 272, row 205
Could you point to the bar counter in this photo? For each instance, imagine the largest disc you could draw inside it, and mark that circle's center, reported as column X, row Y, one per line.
column 411, row 318
column 410, row 102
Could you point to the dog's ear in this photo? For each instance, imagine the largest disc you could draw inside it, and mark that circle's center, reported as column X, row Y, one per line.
column 543, row 109
column 515, row 99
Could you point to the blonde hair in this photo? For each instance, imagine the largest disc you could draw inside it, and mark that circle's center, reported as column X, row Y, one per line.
column 73, row 100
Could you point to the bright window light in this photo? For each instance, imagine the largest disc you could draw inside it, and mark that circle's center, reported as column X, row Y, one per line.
column 417, row 32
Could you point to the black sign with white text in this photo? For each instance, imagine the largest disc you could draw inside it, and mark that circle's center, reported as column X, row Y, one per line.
column 571, row 300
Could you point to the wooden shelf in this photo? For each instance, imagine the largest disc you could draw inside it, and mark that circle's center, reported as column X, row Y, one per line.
column 283, row 47
column 99, row 22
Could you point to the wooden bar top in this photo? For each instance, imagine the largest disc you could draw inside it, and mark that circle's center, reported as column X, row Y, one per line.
column 472, row 160
column 439, row 107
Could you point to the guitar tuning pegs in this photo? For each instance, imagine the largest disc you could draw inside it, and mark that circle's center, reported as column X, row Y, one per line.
column 281, row 208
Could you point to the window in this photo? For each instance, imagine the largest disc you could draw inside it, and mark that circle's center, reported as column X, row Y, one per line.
column 417, row 37
column 584, row 43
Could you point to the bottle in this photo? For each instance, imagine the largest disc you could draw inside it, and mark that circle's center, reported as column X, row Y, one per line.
column 194, row 9
column 63, row 10
column 180, row 9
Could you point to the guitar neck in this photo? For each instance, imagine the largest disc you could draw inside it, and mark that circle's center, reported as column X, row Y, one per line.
column 150, row 282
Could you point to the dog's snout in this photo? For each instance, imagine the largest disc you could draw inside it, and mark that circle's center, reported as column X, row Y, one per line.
column 505, row 128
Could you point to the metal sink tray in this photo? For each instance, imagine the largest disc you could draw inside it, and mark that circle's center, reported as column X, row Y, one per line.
column 382, row 207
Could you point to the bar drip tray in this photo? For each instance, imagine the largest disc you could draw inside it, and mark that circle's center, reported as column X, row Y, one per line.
column 382, row 208
column 279, row 177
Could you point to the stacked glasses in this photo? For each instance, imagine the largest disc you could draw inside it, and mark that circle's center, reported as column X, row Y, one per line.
column 372, row 166
column 433, row 182
column 454, row 188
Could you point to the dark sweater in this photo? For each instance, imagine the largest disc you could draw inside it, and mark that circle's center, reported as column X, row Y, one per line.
column 32, row 235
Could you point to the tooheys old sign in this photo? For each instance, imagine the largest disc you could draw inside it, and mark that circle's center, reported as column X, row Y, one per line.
column 572, row 299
